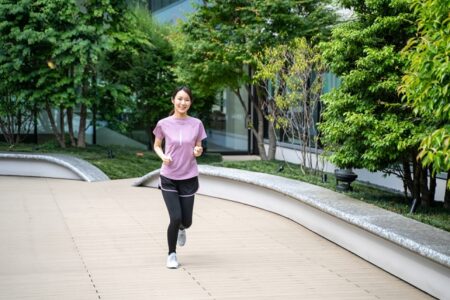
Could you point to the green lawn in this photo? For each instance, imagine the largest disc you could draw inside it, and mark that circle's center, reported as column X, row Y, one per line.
column 396, row 202
column 120, row 162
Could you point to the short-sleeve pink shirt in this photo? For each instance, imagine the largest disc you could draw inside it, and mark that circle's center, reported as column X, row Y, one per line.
column 180, row 135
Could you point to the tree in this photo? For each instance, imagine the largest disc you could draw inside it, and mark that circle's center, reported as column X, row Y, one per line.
column 426, row 83
column 145, row 66
column 16, row 114
column 295, row 76
column 219, row 43
column 365, row 124
column 51, row 51
column 100, row 31
column 25, row 47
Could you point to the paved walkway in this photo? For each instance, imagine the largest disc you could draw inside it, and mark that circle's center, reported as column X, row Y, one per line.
column 63, row 239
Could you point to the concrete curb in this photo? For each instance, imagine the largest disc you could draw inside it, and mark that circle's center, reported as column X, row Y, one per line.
column 49, row 165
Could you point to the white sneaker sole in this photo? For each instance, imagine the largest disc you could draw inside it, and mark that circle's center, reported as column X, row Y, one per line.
column 172, row 267
column 172, row 263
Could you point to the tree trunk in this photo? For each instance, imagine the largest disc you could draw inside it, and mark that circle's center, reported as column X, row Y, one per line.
column 260, row 102
column 272, row 141
column 432, row 190
column 61, row 121
column 416, row 179
column 70, row 115
column 447, row 192
column 259, row 131
column 81, row 143
column 427, row 197
column 260, row 134
column 94, row 124
column 407, row 178
column 53, row 125
column 19, row 126
column 70, row 126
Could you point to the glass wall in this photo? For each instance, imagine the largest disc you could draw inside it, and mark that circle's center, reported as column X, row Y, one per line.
column 298, row 128
column 158, row 4
column 169, row 11
column 227, row 131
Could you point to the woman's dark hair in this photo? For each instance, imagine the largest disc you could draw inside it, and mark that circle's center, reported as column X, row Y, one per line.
column 184, row 89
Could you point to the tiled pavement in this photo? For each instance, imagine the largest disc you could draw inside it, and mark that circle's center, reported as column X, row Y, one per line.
column 64, row 239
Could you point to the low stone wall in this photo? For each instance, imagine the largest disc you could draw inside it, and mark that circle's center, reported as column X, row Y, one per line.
column 49, row 165
column 413, row 251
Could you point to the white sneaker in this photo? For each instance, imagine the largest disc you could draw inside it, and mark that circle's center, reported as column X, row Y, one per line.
column 172, row 262
column 181, row 237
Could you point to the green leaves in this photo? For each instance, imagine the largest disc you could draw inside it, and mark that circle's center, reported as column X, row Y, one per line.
column 292, row 74
column 427, row 81
column 141, row 58
column 364, row 122
column 223, row 36
column 435, row 149
column 62, row 53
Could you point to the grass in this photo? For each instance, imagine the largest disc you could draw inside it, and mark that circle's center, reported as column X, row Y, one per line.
column 435, row 216
column 131, row 163
column 115, row 161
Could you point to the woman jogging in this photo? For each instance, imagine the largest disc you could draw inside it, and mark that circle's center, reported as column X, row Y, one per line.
column 182, row 137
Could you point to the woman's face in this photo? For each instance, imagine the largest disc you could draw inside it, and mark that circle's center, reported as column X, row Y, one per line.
column 182, row 103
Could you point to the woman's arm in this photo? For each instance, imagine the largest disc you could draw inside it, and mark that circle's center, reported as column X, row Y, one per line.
column 158, row 150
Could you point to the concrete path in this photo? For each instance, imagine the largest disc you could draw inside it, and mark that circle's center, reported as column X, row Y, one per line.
column 64, row 239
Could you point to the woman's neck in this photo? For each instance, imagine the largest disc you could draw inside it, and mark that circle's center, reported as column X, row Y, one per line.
column 180, row 116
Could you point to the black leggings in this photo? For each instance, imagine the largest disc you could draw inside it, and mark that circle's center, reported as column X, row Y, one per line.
column 179, row 198
column 180, row 212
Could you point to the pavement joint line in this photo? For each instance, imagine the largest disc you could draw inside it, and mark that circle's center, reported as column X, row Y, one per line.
column 156, row 241
column 91, row 278
column 197, row 281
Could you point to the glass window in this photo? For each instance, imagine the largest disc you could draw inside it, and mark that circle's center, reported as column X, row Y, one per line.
column 158, row 4
column 227, row 131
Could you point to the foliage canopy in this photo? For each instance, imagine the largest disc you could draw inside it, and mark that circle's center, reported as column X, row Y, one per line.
column 365, row 125
column 426, row 83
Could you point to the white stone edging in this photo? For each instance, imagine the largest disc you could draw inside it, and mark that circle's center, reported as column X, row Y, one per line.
column 49, row 165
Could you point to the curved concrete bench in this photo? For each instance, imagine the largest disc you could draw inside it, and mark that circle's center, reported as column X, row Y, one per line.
column 413, row 251
column 49, row 165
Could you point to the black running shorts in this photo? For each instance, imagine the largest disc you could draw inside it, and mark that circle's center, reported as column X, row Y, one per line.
column 184, row 188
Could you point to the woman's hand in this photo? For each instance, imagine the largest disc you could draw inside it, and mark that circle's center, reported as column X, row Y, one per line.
column 198, row 150
column 167, row 159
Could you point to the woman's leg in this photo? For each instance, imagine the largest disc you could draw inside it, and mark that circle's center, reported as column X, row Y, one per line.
column 187, row 208
column 187, row 189
column 175, row 213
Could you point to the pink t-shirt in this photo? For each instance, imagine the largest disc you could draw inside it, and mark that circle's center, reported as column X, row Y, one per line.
column 180, row 135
